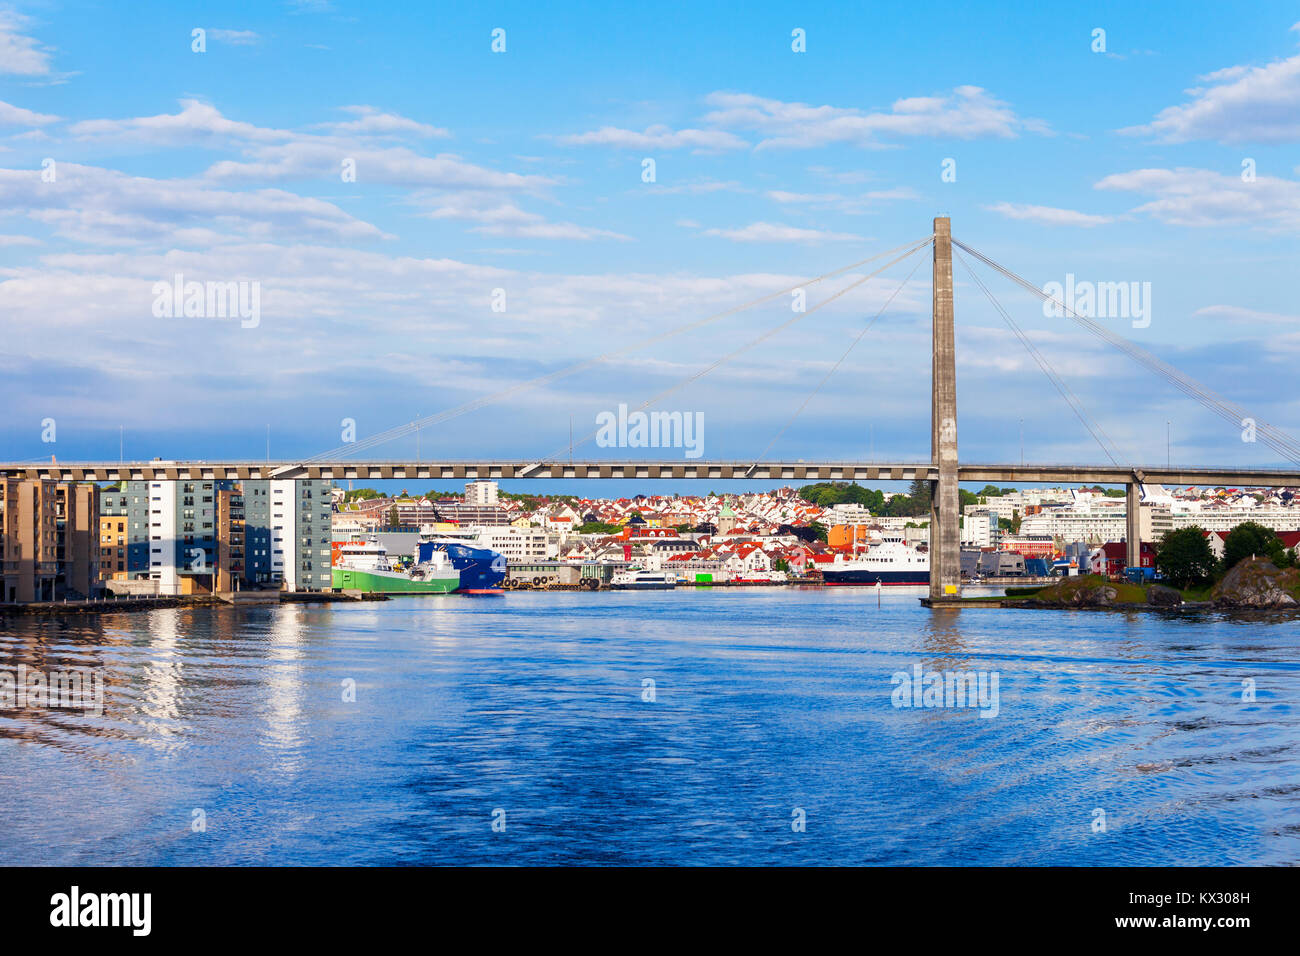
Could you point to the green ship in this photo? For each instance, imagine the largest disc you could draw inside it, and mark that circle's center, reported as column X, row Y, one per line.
column 364, row 566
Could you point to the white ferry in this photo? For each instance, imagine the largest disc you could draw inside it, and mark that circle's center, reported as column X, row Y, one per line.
column 634, row 580
column 890, row 562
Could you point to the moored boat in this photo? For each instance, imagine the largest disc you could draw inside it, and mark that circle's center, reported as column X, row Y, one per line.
column 634, row 580
column 481, row 570
column 890, row 562
column 365, row 566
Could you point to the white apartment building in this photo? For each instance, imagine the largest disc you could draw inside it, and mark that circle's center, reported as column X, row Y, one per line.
column 848, row 514
column 482, row 493
column 284, row 551
column 1226, row 518
column 516, row 544
column 162, row 537
column 979, row 530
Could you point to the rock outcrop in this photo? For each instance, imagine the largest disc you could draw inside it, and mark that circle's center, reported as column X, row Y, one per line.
column 1087, row 591
column 1161, row 596
column 1256, row 583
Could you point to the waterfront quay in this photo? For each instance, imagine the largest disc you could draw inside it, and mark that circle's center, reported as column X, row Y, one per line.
column 73, row 541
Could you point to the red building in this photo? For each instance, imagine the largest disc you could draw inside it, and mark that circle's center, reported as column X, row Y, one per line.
column 1116, row 556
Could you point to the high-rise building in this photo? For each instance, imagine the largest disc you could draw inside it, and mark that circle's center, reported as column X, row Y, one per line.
column 197, row 536
column 28, row 540
column 76, row 507
column 48, row 540
column 230, row 539
column 287, row 532
column 124, row 531
column 481, row 493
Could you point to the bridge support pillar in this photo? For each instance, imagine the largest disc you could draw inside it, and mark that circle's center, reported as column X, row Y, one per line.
column 945, row 514
column 1133, row 525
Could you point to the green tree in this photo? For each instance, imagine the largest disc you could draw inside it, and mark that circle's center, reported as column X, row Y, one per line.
column 598, row 527
column 1185, row 558
column 1015, row 521
column 392, row 517
column 919, row 492
column 1249, row 538
column 819, row 529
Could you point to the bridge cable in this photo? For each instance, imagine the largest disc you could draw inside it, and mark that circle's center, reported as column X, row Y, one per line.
column 1274, row 437
column 1094, row 429
column 695, row 376
column 838, row 363
column 400, row 431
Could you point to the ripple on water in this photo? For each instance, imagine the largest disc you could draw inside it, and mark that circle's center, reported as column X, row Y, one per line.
column 764, row 707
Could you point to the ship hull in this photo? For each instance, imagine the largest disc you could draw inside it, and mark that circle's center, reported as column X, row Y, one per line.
column 390, row 583
column 482, row 570
column 864, row 578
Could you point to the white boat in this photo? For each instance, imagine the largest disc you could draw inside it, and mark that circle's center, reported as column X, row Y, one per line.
column 890, row 562
column 634, row 580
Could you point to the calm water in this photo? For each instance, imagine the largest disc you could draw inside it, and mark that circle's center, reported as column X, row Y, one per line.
column 766, row 700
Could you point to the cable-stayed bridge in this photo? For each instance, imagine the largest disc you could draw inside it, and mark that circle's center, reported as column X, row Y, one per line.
column 944, row 470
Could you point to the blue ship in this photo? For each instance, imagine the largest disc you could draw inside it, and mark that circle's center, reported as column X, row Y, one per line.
column 481, row 569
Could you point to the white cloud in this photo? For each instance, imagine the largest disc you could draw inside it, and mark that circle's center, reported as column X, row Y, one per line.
column 278, row 154
column 847, row 204
column 773, row 232
column 1202, row 197
column 498, row 216
column 657, row 137
column 19, row 54
column 197, row 124
column 693, row 189
column 90, row 204
column 1234, row 313
column 374, row 121
column 17, row 116
column 969, row 112
column 1048, row 215
column 316, row 157
column 782, row 196
column 1241, row 104
column 236, row 37
column 18, row 241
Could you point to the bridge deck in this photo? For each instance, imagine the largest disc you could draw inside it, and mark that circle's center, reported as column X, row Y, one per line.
column 801, row 471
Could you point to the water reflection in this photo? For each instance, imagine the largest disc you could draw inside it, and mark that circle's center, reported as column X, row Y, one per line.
column 283, row 687
column 763, row 701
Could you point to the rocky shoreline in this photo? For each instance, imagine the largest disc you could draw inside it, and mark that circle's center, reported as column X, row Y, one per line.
column 1253, row 584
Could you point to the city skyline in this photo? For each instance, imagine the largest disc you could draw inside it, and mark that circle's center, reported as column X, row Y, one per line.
column 772, row 164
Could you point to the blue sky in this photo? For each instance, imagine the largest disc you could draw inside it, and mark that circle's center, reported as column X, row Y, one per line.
column 523, row 171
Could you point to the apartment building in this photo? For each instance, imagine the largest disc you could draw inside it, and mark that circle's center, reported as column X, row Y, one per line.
column 481, row 493
column 124, row 531
column 48, row 540
column 28, row 540
column 287, row 533
column 517, row 544
column 230, row 539
column 192, row 537
column 76, row 515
